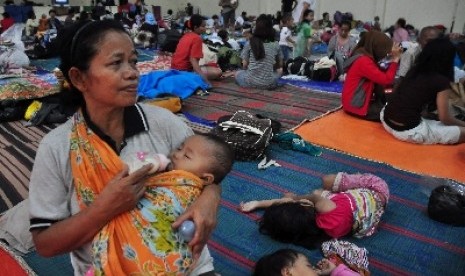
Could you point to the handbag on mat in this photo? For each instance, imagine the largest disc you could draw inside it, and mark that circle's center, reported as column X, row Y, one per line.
column 246, row 133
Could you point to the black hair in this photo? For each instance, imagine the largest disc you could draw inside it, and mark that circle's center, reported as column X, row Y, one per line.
column 223, row 154
column 347, row 23
column 78, row 44
column 170, row 12
column 52, row 10
column 273, row 264
column 223, row 34
column 401, row 22
column 306, row 13
column 31, row 14
column 291, row 222
column 286, row 18
column 436, row 57
column 325, row 14
column 215, row 16
column 195, row 21
column 263, row 32
column 6, row 15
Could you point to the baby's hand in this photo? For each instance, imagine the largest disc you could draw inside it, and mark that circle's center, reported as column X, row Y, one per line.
column 249, row 206
column 325, row 267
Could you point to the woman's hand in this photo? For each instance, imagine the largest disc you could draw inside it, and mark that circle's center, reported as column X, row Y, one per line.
column 203, row 212
column 123, row 192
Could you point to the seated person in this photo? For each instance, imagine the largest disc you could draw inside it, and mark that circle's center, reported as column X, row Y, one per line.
column 189, row 51
column 259, row 57
column 408, row 57
column 428, row 81
column 325, row 22
column 200, row 160
column 341, row 46
column 53, row 22
column 31, row 24
column 363, row 90
column 150, row 26
column 224, row 35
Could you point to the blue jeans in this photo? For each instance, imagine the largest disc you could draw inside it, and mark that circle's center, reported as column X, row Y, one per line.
column 286, row 50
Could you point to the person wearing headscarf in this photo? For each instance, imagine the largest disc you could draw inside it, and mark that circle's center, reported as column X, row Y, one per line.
column 363, row 91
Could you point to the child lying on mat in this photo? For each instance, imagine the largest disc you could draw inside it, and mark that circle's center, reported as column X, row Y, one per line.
column 201, row 160
column 347, row 204
column 286, row 262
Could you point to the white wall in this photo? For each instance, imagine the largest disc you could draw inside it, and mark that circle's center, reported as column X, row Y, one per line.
column 419, row 13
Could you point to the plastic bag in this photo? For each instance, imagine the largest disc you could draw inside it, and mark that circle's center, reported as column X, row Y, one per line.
column 13, row 56
column 447, row 204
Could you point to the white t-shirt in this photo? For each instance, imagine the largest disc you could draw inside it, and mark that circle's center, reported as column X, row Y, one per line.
column 239, row 21
column 283, row 35
column 300, row 6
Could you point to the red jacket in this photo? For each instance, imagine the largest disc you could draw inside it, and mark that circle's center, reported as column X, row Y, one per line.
column 7, row 23
column 366, row 68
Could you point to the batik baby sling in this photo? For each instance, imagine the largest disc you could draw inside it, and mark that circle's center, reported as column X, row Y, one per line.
column 140, row 241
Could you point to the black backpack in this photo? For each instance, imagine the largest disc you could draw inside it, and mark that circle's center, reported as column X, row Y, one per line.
column 171, row 41
column 295, row 66
column 248, row 134
column 447, row 205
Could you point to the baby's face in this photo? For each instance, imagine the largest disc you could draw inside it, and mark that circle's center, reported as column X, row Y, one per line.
column 194, row 155
column 302, row 267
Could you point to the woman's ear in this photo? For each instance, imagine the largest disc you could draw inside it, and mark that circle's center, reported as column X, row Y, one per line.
column 77, row 79
column 208, row 178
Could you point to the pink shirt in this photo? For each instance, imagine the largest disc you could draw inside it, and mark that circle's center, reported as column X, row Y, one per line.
column 338, row 222
column 400, row 34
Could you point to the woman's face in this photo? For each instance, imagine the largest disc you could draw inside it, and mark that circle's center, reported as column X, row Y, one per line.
column 112, row 77
column 344, row 31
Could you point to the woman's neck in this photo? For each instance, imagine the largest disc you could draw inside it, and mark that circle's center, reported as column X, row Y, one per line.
column 109, row 120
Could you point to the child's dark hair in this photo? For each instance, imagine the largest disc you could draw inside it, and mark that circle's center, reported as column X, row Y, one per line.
column 78, row 44
column 401, row 22
column 287, row 18
column 274, row 263
column 170, row 12
column 224, row 155
column 291, row 222
column 223, row 34
column 306, row 13
column 447, row 205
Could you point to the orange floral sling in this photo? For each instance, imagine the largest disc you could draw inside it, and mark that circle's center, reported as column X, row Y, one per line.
column 139, row 242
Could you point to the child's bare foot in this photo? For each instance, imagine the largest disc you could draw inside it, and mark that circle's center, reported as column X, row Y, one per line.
column 249, row 206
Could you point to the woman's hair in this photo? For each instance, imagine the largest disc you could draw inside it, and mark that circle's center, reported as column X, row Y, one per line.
column 374, row 44
column 263, row 32
column 274, row 263
column 347, row 23
column 291, row 222
column 401, row 22
column 436, row 57
column 194, row 22
column 78, row 44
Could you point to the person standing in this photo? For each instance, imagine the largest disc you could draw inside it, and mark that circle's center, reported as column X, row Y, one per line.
column 300, row 8
column 228, row 11
column 287, row 6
